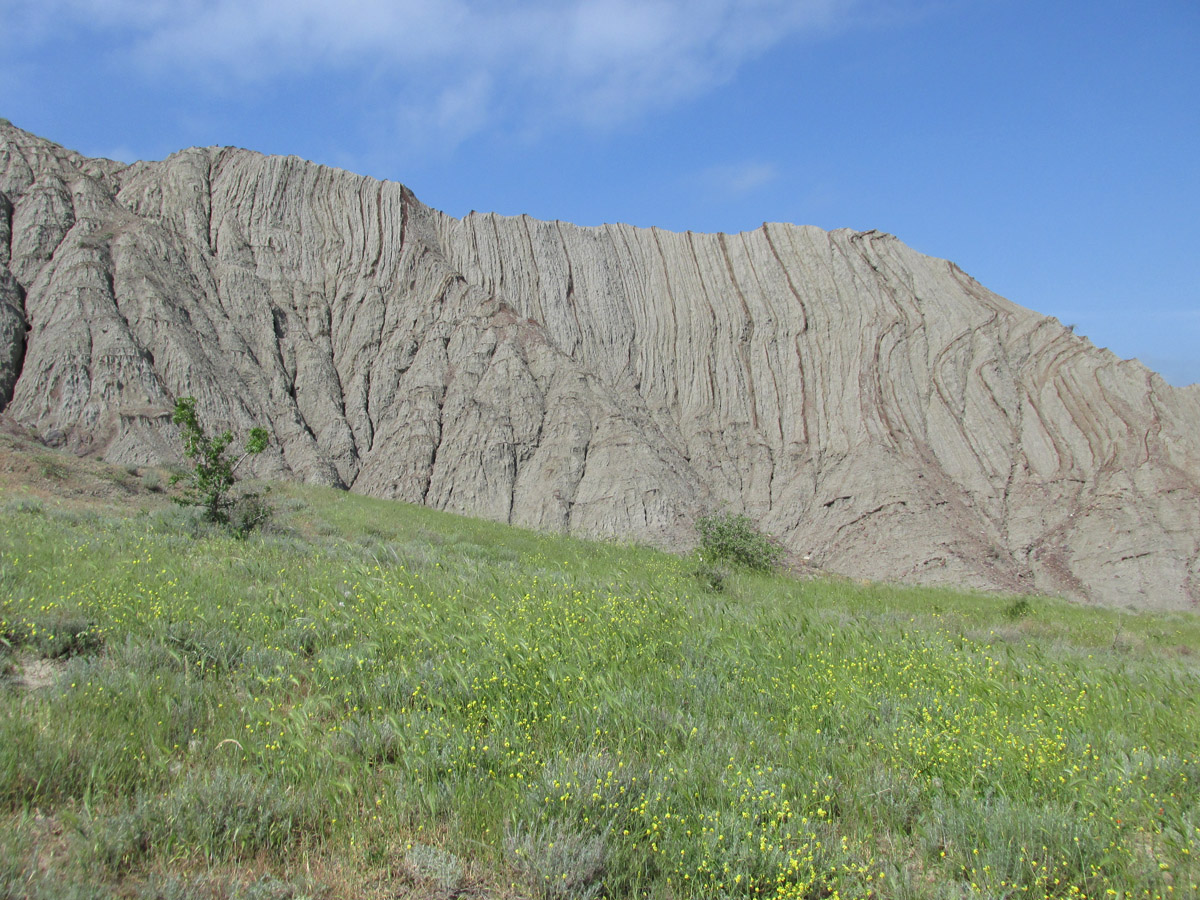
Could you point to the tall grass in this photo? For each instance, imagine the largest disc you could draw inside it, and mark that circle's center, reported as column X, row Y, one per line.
column 408, row 701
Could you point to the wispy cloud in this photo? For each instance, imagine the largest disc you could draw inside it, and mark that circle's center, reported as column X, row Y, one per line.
column 739, row 178
column 454, row 65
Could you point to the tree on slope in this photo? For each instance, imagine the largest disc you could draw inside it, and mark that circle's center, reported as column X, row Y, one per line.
column 209, row 485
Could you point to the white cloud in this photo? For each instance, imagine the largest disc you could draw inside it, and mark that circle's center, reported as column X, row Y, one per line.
column 514, row 63
column 264, row 39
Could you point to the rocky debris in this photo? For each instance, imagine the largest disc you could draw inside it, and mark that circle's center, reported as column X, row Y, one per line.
column 878, row 409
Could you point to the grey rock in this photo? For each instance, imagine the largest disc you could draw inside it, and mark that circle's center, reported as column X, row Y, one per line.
column 12, row 335
column 6, row 211
column 12, row 310
column 879, row 410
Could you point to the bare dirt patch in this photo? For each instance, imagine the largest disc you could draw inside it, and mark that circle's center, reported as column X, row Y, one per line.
column 32, row 673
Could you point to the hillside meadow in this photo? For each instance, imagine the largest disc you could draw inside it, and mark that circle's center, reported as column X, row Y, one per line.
column 369, row 699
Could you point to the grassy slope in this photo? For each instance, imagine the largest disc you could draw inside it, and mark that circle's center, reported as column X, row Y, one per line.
column 381, row 700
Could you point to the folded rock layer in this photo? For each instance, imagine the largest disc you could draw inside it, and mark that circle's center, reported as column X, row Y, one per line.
column 879, row 410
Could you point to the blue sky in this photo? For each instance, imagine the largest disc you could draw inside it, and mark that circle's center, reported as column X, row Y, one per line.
column 1051, row 148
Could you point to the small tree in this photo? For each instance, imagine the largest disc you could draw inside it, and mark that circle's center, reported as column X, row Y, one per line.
column 209, row 486
column 733, row 538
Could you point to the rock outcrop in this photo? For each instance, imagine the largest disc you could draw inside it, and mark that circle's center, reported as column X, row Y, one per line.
column 878, row 409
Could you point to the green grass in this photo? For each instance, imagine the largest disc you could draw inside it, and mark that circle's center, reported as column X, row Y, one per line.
column 373, row 699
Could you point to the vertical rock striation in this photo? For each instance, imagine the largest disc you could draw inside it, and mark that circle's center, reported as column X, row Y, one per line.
column 879, row 409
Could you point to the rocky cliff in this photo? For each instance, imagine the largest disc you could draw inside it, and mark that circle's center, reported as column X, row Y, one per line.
column 878, row 409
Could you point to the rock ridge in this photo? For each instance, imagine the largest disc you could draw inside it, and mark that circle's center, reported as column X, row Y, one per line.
column 880, row 410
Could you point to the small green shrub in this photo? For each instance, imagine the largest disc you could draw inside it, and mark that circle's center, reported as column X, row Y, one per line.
column 54, row 638
column 713, row 577
column 208, row 649
column 735, row 539
column 249, row 511
column 119, row 477
column 1018, row 609
column 52, row 468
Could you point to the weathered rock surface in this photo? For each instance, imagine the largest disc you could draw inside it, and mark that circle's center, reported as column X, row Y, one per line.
column 878, row 409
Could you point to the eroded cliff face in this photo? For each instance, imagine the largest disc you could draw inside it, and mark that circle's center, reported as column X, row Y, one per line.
column 878, row 409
